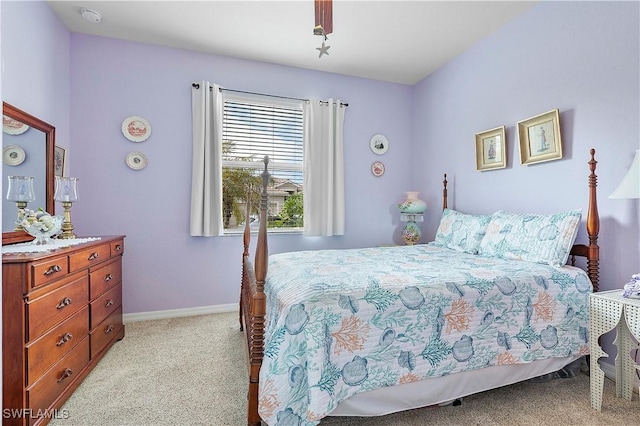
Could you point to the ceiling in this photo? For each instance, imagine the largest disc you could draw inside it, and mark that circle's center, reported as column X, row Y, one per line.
column 395, row 41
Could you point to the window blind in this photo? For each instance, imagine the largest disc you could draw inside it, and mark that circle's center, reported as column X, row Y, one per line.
column 254, row 128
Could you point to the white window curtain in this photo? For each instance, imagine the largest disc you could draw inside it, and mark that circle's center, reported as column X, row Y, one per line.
column 206, row 175
column 324, row 213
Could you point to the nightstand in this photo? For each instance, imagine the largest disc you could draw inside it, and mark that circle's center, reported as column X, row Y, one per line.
column 608, row 309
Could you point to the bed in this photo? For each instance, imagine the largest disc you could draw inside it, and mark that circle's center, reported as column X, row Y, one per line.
column 377, row 330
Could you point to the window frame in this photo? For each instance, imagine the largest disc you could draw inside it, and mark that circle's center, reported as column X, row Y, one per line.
column 274, row 166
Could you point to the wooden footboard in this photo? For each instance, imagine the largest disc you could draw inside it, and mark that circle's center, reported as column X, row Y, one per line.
column 253, row 299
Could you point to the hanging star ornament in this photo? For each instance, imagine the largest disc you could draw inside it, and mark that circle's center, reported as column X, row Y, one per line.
column 324, row 50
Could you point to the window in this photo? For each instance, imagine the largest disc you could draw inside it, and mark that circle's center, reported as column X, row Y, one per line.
column 255, row 126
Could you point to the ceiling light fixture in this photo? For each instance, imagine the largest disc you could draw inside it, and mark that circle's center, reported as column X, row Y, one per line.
column 323, row 23
column 91, row 16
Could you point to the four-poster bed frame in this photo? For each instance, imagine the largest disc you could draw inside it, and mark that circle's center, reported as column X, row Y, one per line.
column 253, row 298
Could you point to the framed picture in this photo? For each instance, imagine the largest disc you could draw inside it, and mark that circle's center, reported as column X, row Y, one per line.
column 58, row 161
column 490, row 149
column 539, row 138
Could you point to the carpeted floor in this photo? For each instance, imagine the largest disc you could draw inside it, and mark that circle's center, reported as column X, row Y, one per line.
column 192, row 371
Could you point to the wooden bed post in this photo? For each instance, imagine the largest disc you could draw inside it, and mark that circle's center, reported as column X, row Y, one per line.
column 258, row 305
column 444, row 192
column 591, row 251
column 593, row 226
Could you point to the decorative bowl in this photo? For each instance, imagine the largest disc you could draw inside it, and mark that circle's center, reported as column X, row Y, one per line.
column 42, row 226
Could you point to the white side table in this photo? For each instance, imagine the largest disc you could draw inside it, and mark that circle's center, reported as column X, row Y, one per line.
column 608, row 309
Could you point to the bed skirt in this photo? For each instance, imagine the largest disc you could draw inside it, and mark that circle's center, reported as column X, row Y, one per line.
column 440, row 390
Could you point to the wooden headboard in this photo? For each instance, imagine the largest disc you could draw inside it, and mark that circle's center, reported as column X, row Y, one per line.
column 590, row 251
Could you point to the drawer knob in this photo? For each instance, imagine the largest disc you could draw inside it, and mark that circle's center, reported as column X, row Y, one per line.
column 93, row 256
column 64, row 302
column 53, row 269
column 66, row 373
column 108, row 277
column 108, row 329
column 108, row 303
column 118, row 247
column 64, row 339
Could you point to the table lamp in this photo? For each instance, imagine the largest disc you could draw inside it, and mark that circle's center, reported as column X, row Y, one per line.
column 21, row 191
column 67, row 193
column 630, row 185
column 630, row 188
column 411, row 212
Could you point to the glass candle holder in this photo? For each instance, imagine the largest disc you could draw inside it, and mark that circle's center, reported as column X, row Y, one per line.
column 67, row 193
column 20, row 190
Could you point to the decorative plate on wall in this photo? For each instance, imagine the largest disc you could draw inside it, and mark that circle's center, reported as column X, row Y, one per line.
column 136, row 160
column 136, row 129
column 13, row 155
column 13, row 127
column 379, row 143
column 377, row 169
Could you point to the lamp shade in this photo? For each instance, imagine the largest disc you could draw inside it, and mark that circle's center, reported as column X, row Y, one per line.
column 412, row 204
column 20, row 188
column 66, row 189
column 630, row 185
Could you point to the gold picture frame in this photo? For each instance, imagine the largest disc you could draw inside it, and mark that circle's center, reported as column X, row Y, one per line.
column 540, row 138
column 490, row 149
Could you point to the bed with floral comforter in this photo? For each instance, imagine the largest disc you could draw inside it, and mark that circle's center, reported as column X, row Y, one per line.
column 340, row 322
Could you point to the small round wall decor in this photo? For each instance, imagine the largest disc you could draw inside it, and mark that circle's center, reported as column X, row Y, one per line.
column 379, row 143
column 136, row 160
column 377, row 168
column 136, row 129
column 13, row 155
column 12, row 126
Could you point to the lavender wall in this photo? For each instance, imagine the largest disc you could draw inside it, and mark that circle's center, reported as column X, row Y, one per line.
column 164, row 267
column 35, row 76
column 579, row 57
column 582, row 58
column 35, row 63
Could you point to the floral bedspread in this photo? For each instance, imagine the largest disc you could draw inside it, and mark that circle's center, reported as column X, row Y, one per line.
column 347, row 321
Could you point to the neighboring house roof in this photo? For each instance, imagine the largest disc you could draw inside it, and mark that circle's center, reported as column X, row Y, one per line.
column 286, row 185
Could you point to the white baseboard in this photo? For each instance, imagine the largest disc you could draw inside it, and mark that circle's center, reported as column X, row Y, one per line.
column 176, row 313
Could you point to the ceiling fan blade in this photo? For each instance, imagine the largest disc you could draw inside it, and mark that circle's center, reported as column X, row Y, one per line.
column 324, row 15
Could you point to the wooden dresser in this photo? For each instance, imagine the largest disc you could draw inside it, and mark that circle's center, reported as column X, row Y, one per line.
column 61, row 312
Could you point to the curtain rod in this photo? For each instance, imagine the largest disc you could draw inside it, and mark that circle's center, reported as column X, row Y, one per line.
column 197, row 86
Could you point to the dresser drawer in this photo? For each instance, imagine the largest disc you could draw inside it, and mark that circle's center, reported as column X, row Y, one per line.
column 49, row 348
column 48, row 270
column 104, row 305
column 104, row 277
column 47, row 311
column 88, row 257
column 105, row 332
column 117, row 248
column 43, row 392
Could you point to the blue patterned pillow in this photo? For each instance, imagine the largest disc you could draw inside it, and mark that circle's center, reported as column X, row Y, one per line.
column 534, row 238
column 461, row 232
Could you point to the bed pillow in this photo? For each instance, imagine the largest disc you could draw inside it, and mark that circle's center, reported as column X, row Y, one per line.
column 460, row 231
column 534, row 238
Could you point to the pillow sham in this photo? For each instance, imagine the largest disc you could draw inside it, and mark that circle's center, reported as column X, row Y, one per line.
column 460, row 231
column 534, row 238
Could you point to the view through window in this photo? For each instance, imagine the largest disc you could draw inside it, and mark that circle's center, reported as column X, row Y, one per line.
column 255, row 126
